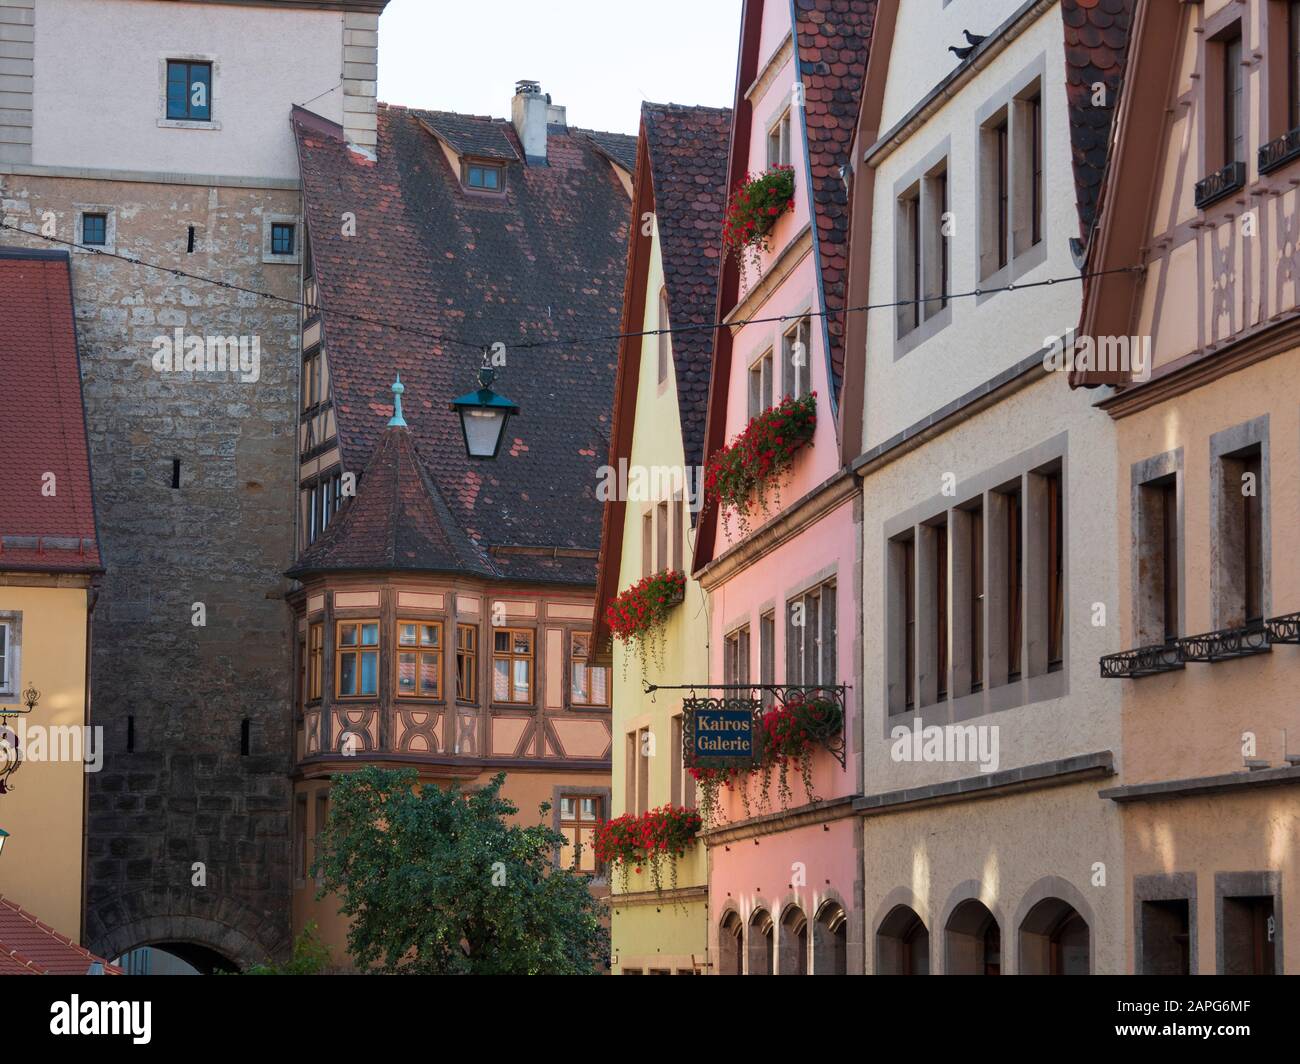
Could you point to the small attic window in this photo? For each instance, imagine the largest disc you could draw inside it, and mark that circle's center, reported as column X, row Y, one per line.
column 484, row 176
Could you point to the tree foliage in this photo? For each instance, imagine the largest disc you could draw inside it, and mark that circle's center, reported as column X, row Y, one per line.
column 438, row 882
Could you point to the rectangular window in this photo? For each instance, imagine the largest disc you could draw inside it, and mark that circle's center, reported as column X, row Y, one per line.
column 94, row 229
column 643, row 752
column 579, row 815
column 675, row 788
column 735, row 657
column 935, row 253
column 282, row 234
column 589, row 684
column 909, row 624
column 941, row 609
column 1055, row 571
column 419, row 659
column 189, row 91
column 810, row 638
column 976, row 604
column 467, row 662
column 664, row 337
column 4, row 656
column 778, row 142
column 909, row 264
column 315, row 648
column 1158, row 572
column 796, row 360
column 647, row 543
column 760, row 384
column 679, row 533
column 1240, row 556
column 482, row 176
column 1234, row 76
column 1014, row 560
column 661, row 536
column 1034, row 108
column 995, row 194
column 301, row 693
column 1250, row 933
column 1002, row 191
column 512, row 665
column 767, row 653
column 356, row 659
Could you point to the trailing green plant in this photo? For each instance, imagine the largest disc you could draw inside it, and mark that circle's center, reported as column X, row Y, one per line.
column 741, row 475
column 755, row 205
column 791, row 733
column 662, row 835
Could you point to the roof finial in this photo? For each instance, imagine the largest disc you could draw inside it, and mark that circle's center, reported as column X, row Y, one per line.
column 397, row 421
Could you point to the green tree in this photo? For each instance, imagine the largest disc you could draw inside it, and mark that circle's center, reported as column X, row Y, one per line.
column 310, row 957
column 437, row 882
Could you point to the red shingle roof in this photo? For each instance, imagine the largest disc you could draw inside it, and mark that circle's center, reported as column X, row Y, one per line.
column 1096, row 51
column 542, row 261
column 832, row 40
column 30, row 947
column 42, row 528
column 687, row 150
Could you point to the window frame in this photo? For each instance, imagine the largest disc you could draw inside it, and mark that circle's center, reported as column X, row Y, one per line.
column 468, row 654
column 581, row 825
column 512, row 657
column 573, row 660
column 359, row 649
column 437, row 651
column 315, row 661
column 188, row 120
column 484, row 167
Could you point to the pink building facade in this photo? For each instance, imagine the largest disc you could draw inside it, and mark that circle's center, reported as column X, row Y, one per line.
column 783, row 859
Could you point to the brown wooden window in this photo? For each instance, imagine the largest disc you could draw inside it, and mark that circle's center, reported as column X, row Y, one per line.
column 976, row 604
column 661, row 536
column 678, row 533
column 356, row 659
column 1055, row 571
column 767, row 653
column 909, row 624
column 910, row 268
column 1158, row 562
column 1252, row 519
column 1234, row 76
column 735, row 657
column 512, row 665
column 1014, row 558
column 1171, row 591
column 665, row 338
column 1002, row 190
column 810, row 637
column 588, row 684
column 682, row 790
column 467, row 662
column 300, row 694
column 484, row 177
column 941, row 608
column 579, row 815
column 419, row 659
column 315, row 647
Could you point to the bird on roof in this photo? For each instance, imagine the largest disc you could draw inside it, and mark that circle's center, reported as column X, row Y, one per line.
column 973, row 40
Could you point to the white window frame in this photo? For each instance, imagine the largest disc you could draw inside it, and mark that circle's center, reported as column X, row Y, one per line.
column 11, row 621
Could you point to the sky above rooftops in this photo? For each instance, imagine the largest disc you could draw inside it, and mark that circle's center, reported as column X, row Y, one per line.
column 597, row 58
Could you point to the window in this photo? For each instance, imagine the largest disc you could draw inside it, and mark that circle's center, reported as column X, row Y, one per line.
column 328, row 496
column 4, row 656
column 356, row 659
column 282, row 234
column 975, row 560
column 301, row 694
column 679, row 533
column 767, row 654
column 1248, row 926
column 1159, row 592
column 640, row 750
column 647, row 543
column 760, row 384
column 778, row 141
column 940, row 576
column 579, row 815
column 1012, row 562
column 664, row 338
column 922, row 252
column 1234, row 76
column 315, row 647
column 661, row 536
column 588, row 684
column 907, row 552
column 761, row 942
column 909, row 273
column 419, row 659
column 796, row 366
column 1239, row 491
column 810, row 638
column 935, row 253
column 483, row 176
column 94, row 229
column 467, row 662
column 1034, row 116
column 1165, row 937
column 312, row 389
column 512, row 665
column 1055, row 575
column 189, row 91
column 1002, row 190
column 735, row 657
column 682, row 784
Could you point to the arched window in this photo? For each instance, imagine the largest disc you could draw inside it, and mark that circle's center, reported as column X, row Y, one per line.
column 974, row 941
column 830, row 941
column 1054, row 940
column 730, row 938
column 760, row 943
column 794, row 942
column 902, row 944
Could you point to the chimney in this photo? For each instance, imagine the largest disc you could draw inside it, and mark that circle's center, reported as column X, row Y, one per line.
column 360, row 80
column 530, row 111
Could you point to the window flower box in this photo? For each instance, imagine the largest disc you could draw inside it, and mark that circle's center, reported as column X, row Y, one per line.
column 638, row 615
column 658, row 837
column 739, row 476
column 752, row 212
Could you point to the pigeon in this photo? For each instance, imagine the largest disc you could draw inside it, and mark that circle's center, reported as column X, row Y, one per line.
column 973, row 41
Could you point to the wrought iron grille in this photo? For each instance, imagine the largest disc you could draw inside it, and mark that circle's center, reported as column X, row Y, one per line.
column 1284, row 629
column 1144, row 661
column 1279, row 151
column 1222, row 182
column 1226, row 644
column 751, row 697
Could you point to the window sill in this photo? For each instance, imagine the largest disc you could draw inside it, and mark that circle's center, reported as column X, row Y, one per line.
column 1278, row 152
column 1220, row 184
column 185, row 123
column 1226, row 644
column 1143, row 661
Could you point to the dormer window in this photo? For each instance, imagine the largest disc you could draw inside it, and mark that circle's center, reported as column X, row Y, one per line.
column 484, row 176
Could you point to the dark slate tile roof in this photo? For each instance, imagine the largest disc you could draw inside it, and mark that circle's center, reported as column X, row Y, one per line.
column 398, row 520
column 487, row 138
column 687, row 149
column 619, row 147
column 43, row 420
column 832, row 42
column 1096, row 50
column 30, row 947
column 543, row 261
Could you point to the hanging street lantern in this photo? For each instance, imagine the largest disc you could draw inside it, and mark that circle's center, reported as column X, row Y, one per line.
column 484, row 414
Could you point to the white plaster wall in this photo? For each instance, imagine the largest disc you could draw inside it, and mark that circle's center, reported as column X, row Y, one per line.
column 97, row 84
column 988, row 335
column 1087, row 718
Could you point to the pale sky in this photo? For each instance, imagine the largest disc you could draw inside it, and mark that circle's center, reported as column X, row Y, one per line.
column 597, row 58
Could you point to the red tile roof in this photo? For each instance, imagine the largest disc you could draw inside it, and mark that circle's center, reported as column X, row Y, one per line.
column 832, row 40
column 43, row 420
column 543, row 261
column 687, row 150
column 30, row 947
column 1096, row 51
